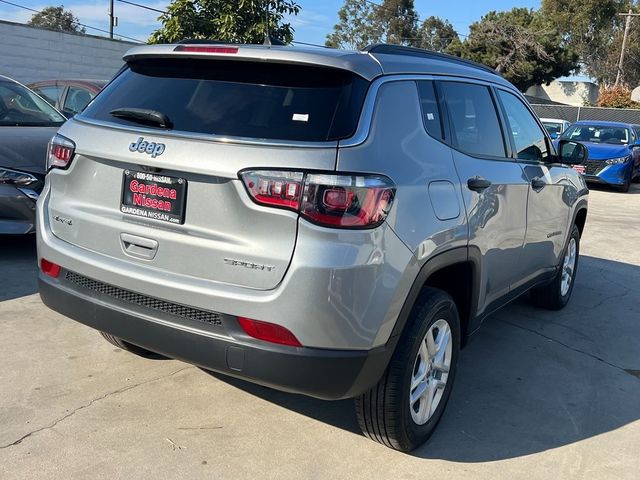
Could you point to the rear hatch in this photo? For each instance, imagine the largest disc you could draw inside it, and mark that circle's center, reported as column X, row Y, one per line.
column 171, row 198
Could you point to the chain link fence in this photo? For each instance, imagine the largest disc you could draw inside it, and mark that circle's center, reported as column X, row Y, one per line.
column 573, row 114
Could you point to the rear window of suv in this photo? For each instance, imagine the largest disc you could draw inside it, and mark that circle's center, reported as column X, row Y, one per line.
column 238, row 98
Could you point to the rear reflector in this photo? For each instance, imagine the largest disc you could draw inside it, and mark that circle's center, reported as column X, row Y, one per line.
column 205, row 49
column 49, row 268
column 268, row 332
column 343, row 201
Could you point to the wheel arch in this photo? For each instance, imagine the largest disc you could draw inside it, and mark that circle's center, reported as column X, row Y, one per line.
column 447, row 271
column 580, row 217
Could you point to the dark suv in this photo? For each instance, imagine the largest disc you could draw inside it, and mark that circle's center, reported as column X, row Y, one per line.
column 333, row 223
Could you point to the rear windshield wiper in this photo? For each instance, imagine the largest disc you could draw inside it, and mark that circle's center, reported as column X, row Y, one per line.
column 143, row 115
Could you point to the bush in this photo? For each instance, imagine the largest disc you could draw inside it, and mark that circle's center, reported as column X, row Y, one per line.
column 616, row 97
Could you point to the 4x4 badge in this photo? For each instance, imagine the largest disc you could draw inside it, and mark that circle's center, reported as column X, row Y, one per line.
column 150, row 148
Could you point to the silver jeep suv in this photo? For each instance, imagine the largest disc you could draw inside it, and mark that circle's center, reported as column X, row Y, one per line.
column 332, row 223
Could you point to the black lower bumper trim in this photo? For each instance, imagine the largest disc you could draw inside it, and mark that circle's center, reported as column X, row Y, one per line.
column 325, row 374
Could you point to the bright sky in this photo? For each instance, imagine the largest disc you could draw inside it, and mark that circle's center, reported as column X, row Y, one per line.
column 312, row 25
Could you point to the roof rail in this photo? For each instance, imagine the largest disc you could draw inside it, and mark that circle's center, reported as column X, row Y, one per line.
column 388, row 49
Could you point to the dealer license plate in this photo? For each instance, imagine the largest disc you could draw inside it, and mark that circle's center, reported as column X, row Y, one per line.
column 153, row 195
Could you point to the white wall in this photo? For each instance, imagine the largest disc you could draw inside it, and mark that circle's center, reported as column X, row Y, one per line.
column 29, row 54
column 567, row 92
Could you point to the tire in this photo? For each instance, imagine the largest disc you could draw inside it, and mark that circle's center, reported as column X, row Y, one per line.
column 556, row 294
column 385, row 413
column 624, row 188
column 128, row 347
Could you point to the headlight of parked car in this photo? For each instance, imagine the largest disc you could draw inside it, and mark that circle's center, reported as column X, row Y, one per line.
column 615, row 161
column 14, row 177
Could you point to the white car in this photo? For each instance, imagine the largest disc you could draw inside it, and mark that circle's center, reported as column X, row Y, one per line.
column 555, row 126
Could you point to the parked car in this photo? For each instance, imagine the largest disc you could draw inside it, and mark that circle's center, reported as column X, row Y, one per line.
column 555, row 126
column 27, row 123
column 314, row 220
column 614, row 156
column 68, row 96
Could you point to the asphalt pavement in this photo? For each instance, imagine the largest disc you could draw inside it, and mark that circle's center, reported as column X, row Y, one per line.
column 538, row 395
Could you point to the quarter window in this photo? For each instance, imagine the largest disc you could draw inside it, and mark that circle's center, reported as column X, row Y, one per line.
column 77, row 99
column 430, row 111
column 528, row 138
column 474, row 121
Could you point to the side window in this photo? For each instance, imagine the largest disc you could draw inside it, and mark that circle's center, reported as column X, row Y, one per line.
column 474, row 121
column 528, row 137
column 50, row 93
column 430, row 110
column 77, row 99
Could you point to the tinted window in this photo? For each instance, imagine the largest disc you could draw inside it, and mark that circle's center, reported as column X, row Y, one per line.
column 19, row 106
column 237, row 98
column 77, row 98
column 528, row 137
column 430, row 110
column 474, row 121
column 51, row 93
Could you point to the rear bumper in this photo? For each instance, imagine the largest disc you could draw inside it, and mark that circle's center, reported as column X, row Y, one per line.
column 17, row 211
column 320, row 373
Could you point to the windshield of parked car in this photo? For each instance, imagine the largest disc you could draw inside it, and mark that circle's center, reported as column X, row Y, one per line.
column 553, row 127
column 21, row 107
column 598, row 134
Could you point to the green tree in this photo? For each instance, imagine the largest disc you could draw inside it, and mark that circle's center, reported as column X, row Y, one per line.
column 356, row 27
column 362, row 23
column 56, row 18
column 398, row 22
column 520, row 45
column 437, row 34
column 631, row 66
column 242, row 21
column 593, row 29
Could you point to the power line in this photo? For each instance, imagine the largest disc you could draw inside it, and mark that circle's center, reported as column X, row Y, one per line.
column 397, row 13
column 309, row 44
column 144, row 6
column 77, row 23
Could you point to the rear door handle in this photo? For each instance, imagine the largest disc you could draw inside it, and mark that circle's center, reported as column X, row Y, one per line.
column 478, row 184
column 538, row 183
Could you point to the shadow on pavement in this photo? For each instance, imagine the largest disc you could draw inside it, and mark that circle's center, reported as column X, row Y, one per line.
column 530, row 380
column 18, row 266
column 634, row 190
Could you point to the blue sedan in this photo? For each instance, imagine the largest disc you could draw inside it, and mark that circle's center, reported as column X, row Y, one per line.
column 614, row 151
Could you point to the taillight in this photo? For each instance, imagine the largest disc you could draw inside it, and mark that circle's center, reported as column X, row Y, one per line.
column 268, row 332
column 49, row 268
column 61, row 151
column 347, row 201
column 275, row 188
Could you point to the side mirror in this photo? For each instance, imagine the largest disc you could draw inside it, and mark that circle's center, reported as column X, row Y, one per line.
column 554, row 135
column 634, row 145
column 572, row 153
